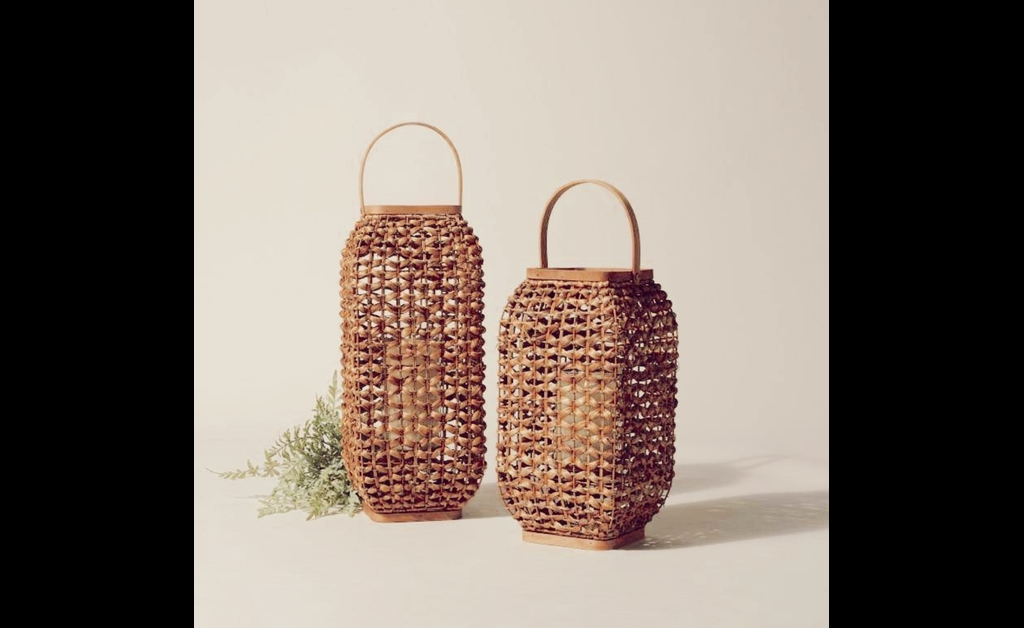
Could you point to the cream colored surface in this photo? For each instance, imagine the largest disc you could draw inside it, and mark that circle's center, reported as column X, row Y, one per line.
column 712, row 117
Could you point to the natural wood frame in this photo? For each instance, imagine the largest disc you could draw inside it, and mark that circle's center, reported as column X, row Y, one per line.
column 412, row 356
column 587, row 362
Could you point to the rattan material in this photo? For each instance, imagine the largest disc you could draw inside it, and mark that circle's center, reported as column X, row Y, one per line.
column 412, row 360
column 586, row 401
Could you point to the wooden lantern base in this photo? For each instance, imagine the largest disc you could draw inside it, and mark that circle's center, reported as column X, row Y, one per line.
column 404, row 517
column 578, row 543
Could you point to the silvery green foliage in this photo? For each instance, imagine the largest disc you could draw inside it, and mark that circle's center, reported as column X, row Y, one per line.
column 307, row 462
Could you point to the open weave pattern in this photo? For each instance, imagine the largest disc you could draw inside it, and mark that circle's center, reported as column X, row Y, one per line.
column 412, row 362
column 586, row 406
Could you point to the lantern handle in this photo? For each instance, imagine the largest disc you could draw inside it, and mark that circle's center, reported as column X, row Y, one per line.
column 362, row 165
column 611, row 188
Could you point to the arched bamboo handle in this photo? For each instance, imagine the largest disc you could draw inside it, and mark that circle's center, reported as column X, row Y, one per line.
column 362, row 166
column 611, row 188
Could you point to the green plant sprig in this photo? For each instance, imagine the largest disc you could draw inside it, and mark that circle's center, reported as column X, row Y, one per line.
column 307, row 461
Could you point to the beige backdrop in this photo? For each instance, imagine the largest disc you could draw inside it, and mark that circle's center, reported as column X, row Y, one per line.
column 711, row 116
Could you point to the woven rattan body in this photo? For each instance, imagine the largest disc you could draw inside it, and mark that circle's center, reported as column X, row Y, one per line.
column 586, row 406
column 412, row 362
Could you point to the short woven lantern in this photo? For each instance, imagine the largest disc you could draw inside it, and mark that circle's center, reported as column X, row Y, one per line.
column 412, row 357
column 586, row 399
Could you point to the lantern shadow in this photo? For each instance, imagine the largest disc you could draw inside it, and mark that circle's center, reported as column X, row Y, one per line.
column 486, row 503
column 698, row 477
column 735, row 519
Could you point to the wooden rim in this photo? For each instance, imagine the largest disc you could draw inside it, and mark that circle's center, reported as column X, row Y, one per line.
column 580, row 543
column 412, row 516
column 362, row 165
column 611, row 275
column 611, row 188
column 411, row 209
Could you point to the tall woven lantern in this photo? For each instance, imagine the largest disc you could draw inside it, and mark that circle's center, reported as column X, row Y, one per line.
column 412, row 357
column 586, row 399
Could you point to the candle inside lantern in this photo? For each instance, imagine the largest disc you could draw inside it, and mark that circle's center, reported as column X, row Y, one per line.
column 585, row 412
column 586, row 417
column 414, row 378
